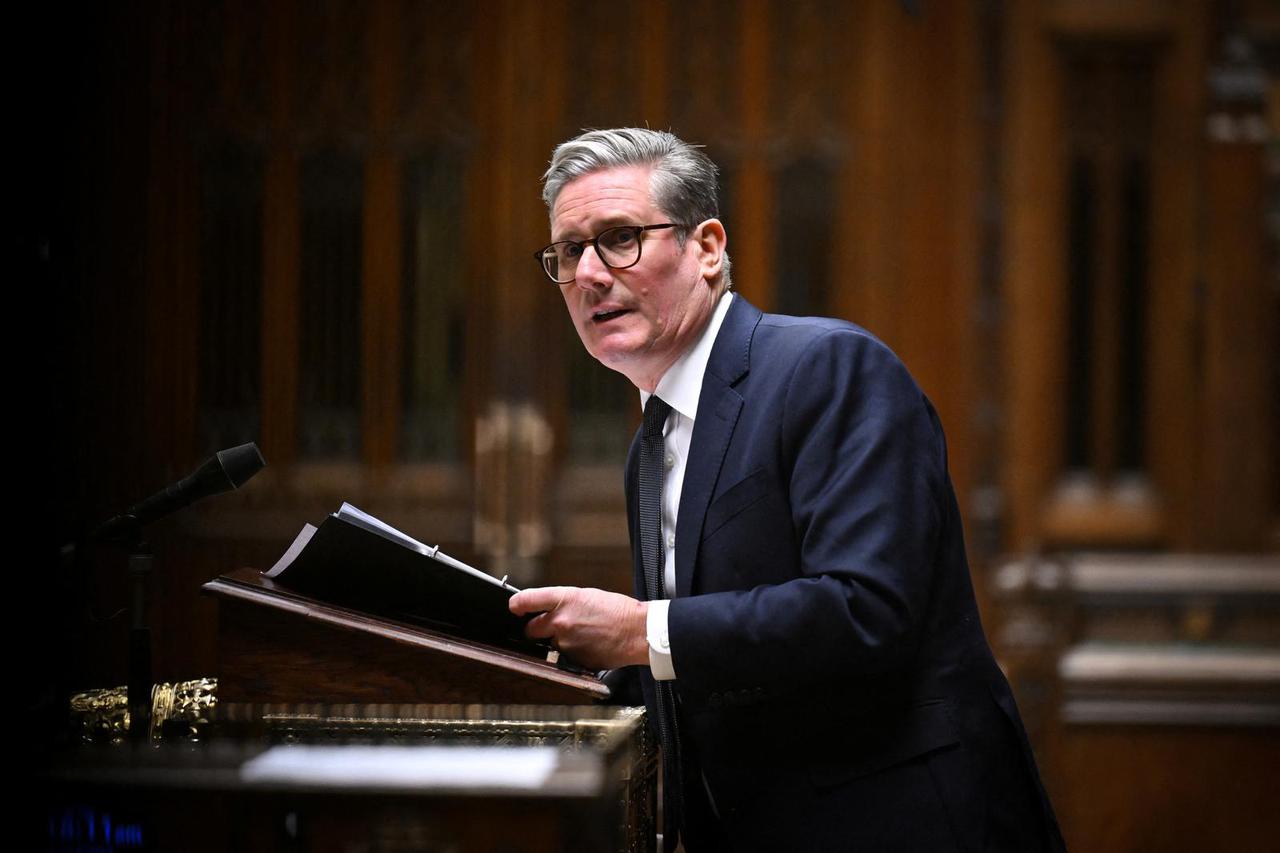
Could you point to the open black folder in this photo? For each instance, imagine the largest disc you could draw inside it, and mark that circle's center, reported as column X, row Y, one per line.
column 355, row 561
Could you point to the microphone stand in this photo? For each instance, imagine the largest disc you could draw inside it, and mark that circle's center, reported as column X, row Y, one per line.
column 228, row 469
column 140, row 565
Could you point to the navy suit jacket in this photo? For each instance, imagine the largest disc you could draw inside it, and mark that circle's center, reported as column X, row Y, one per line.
column 835, row 687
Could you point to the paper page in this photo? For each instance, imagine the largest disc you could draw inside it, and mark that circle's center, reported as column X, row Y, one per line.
column 360, row 518
column 299, row 542
column 463, row 567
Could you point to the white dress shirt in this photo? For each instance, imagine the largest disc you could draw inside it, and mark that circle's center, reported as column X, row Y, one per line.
column 680, row 387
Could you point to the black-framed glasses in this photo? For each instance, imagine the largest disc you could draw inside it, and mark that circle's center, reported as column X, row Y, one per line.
column 617, row 247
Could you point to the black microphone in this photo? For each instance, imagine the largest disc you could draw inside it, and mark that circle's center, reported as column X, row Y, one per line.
column 226, row 470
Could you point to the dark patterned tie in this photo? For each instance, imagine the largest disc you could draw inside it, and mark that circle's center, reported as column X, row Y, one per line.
column 652, row 553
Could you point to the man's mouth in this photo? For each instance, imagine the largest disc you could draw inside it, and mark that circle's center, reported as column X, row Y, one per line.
column 606, row 316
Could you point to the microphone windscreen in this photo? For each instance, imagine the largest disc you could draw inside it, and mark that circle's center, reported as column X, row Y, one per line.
column 241, row 463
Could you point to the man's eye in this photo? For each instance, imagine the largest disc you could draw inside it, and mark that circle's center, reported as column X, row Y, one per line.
column 571, row 251
column 619, row 237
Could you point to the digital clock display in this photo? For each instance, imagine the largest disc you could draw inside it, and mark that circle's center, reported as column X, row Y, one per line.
column 89, row 828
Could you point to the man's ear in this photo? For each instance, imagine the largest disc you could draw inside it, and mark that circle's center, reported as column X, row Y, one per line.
column 711, row 241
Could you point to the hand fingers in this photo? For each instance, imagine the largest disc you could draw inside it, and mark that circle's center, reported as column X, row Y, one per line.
column 537, row 599
column 540, row 626
column 544, row 602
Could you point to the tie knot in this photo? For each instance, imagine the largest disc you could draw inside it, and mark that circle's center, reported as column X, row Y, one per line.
column 655, row 415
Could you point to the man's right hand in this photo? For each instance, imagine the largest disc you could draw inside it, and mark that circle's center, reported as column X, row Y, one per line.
column 597, row 629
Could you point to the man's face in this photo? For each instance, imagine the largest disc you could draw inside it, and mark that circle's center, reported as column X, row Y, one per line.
column 637, row 320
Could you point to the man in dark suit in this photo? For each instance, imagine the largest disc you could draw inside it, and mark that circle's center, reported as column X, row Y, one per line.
column 804, row 628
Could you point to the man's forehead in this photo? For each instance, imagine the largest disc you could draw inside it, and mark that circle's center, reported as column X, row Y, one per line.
column 616, row 193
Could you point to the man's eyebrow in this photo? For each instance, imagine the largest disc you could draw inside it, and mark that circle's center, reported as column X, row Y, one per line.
column 612, row 221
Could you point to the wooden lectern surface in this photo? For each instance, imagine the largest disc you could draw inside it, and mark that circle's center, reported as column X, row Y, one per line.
column 275, row 645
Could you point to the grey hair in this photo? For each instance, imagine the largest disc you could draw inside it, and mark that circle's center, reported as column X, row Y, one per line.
column 682, row 184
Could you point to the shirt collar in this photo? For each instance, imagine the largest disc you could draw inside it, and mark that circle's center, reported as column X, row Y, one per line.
column 681, row 385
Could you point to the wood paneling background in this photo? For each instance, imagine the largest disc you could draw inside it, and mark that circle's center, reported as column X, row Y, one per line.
column 241, row 221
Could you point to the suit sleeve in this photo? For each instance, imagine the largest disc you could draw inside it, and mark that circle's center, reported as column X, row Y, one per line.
column 860, row 456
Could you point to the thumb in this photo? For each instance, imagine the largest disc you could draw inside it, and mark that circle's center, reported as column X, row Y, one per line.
column 535, row 599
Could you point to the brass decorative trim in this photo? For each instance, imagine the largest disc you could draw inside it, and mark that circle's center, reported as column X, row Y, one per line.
column 179, row 711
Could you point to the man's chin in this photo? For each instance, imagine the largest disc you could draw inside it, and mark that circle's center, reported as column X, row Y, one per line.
column 624, row 360
column 614, row 359
column 613, row 349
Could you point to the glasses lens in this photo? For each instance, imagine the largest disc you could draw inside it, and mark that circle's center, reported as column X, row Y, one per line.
column 560, row 260
column 619, row 247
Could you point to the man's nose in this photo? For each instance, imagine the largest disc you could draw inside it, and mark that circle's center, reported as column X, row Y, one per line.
column 592, row 273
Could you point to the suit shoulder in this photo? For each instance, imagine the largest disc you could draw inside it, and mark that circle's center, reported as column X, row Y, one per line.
column 803, row 331
column 794, row 339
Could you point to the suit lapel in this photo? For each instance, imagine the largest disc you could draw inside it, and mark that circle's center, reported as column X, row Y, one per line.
column 719, row 405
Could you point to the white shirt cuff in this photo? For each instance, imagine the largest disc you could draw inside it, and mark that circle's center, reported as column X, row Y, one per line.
column 660, row 662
